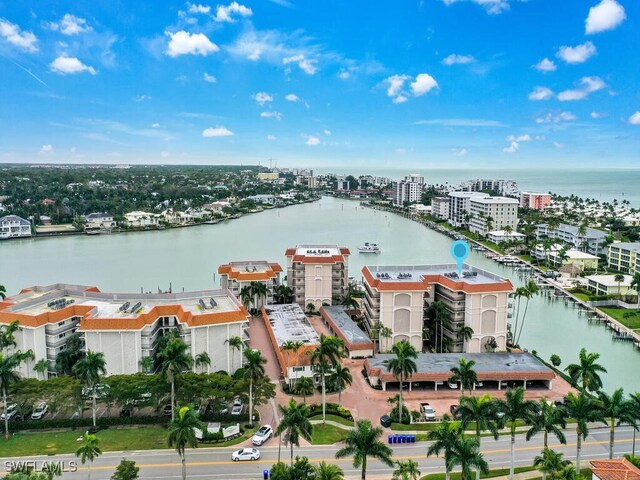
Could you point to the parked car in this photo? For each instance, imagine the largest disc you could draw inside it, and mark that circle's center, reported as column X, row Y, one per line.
column 237, row 407
column 452, row 385
column 428, row 411
column 262, row 435
column 40, row 411
column 12, row 412
column 385, row 421
column 479, row 385
column 245, row 454
column 166, row 410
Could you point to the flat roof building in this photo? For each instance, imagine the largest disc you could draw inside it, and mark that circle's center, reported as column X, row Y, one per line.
column 607, row 284
column 536, row 201
column 397, row 297
column 433, row 369
column 592, row 241
column 236, row 275
column 357, row 343
column 317, row 273
column 125, row 327
column 624, row 257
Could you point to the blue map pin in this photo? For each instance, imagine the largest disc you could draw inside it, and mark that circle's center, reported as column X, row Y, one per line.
column 460, row 252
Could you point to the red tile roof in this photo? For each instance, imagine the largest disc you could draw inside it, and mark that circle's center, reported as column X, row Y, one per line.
column 617, row 469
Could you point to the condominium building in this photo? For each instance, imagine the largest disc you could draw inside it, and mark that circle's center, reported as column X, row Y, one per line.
column 317, row 273
column 492, row 213
column 14, row 226
column 440, row 207
column 125, row 327
column 408, row 190
column 460, row 207
column 624, row 257
column 503, row 187
column 536, row 201
column 593, row 241
column 398, row 297
column 608, row 285
column 236, row 275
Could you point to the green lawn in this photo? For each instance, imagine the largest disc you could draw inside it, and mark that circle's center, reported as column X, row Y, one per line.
column 633, row 321
column 334, row 418
column 327, row 434
column 582, row 296
column 499, row 472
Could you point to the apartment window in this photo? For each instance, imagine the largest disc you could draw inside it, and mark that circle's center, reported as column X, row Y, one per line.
column 298, row 369
column 62, row 335
column 61, row 323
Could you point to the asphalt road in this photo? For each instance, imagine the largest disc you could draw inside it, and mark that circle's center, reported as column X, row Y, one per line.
column 215, row 463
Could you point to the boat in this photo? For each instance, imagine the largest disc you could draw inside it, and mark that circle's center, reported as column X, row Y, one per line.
column 5, row 235
column 369, row 248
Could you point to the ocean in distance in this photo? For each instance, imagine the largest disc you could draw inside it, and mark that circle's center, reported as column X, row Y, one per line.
column 602, row 184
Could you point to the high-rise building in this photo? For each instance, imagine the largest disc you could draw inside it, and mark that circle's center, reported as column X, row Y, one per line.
column 536, row 201
column 408, row 190
column 493, row 213
column 440, row 207
column 317, row 273
column 236, row 275
column 503, row 187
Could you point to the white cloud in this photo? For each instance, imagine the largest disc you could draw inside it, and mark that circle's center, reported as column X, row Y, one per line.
column 454, row 59
column 15, row 36
column 262, row 97
column 271, row 137
column 558, row 145
column 586, row 86
column 209, row 78
column 203, row 9
column 423, row 84
column 141, row 98
column 556, row 118
column 271, row 114
column 305, row 64
column 545, row 65
column 344, row 74
column 598, row 115
column 226, row 14
column 46, row 150
column 400, row 99
column 292, row 97
column 164, row 154
column 312, row 141
column 459, row 152
column 607, row 15
column 635, row 119
column 70, row 25
column 512, row 148
column 155, row 125
column 541, row 93
column 493, row 7
column 218, row 131
column 185, row 43
column 578, row 54
column 70, row 65
column 327, row 132
column 519, row 138
column 396, row 82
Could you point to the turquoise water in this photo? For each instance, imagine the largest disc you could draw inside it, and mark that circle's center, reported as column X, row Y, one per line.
column 601, row 184
column 188, row 258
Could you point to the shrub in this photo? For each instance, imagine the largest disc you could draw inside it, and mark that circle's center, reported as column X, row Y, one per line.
column 555, row 360
column 405, row 415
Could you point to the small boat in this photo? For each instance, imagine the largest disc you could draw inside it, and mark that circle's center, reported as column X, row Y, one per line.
column 5, row 235
column 369, row 248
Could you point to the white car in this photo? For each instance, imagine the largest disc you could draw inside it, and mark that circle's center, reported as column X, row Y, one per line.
column 262, row 435
column 245, row 454
column 453, row 385
column 12, row 412
column 237, row 407
column 428, row 411
column 40, row 411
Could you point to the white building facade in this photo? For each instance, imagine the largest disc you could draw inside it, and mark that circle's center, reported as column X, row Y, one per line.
column 14, row 226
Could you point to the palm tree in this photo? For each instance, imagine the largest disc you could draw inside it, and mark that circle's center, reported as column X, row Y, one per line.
column 254, row 371
column 259, row 291
column 349, row 301
column 531, row 289
column 7, row 334
column 326, row 355
column 618, row 277
column 88, row 370
column 174, row 359
column 311, row 308
column 146, row 364
column 549, row 419
column 582, row 232
column 466, row 453
column 287, row 347
column 514, row 408
column 294, row 424
column 341, row 377
column 508, row 230
column 246, row 296
column 235, row 343
column 615, row 408
column 363, row 442
column 465, row 333
column 635, row 284
column 182, row 432
column 550, row 463
column 42, row 366
column 89, row 450
column 3, row 292
column 304, row 386
column 634, row 399
column 464, row 373
column 328, row 471
column 201, row 360
column 444, row 438
column 441, row 319
column 386, row 333
column 407, row 470
column 481, row 412
column 402, row 366
column 8, row 376
column 583, row 409
column 586, row 371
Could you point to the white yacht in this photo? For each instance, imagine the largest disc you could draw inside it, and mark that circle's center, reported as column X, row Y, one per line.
column 369, row 248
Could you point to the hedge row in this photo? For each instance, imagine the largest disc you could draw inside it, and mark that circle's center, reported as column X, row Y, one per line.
column 331, row 408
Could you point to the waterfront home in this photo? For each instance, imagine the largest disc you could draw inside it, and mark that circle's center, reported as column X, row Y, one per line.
column 125, row 326
column 14, row 226
column 141, row 219
column 234, row 276
column 217, row 207
column 176, row 217
column 397, row 296
column 607, row 284
column 583, row 260
column 99, row 220
column 593, row 241
column 624, row 257
column 317, row 273
column 419, row 209
column 268, row 199
column 499, row 236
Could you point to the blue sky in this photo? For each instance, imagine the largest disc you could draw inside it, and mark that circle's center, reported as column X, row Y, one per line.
column 432, row 83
